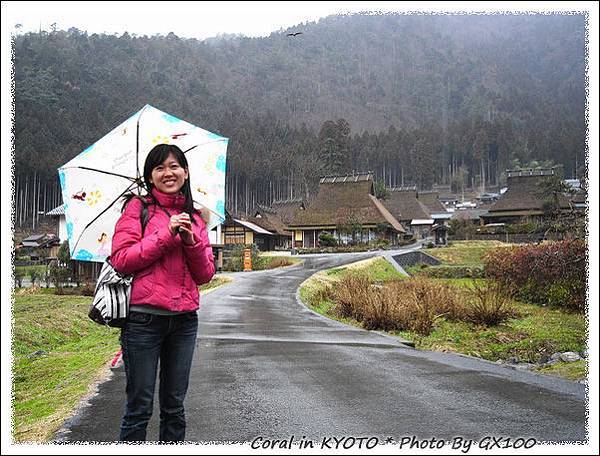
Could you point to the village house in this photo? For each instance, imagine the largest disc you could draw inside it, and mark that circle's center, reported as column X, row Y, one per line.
column 446, row 196
column 237, row 231
column 403, row 204
column 346, row 207
column 58, row 213
column 437, row 211
column 578, row 196
column 276, row 218
column 39, row 246
column 522, row 199
column 473, row 216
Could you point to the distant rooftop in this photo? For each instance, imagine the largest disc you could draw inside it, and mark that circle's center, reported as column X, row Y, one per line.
column 530, row 172
column 356, row 177
column 60, row 210
column 406, row 188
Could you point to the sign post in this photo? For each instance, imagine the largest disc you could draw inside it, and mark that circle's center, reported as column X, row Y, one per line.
column 247, row 259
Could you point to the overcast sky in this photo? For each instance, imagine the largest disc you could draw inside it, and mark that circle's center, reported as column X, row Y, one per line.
column 206, row 19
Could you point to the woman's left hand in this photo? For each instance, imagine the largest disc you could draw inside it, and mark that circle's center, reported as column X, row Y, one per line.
column 185, row 229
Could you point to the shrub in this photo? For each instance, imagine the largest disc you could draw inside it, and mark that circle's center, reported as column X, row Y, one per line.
column 275, row 262
column 462, row 229
column 34, row 275
column 46, row 277
column 526, row 227
column 381, row 243
column 19, row 275
column 549, row 273
column 413, row 304
column 58, row 275
column 452, row 272
column 87, row 289
column 235, row 262
column 327, row 239
column 416, row 304
column 489, row 305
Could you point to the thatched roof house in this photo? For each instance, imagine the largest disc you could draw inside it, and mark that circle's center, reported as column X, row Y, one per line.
column 431, row 200
column 404, row 205
column 275, row 219
column 419, row 210
column 445, row 194
column 340, row 200
column 522, row 198
column 402, row 202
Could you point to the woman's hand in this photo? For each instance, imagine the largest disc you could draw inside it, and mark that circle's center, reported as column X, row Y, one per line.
column 181, row 223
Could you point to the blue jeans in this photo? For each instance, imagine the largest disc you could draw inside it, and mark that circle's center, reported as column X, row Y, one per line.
column 146, row 339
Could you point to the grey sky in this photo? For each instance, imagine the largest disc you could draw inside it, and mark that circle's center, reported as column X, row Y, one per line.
column 206, row 19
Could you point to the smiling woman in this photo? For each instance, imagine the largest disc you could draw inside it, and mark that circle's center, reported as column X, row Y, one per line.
column 169, row 176
column 170, row 256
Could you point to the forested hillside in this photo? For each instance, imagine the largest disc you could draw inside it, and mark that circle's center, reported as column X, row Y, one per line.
column 416, row 99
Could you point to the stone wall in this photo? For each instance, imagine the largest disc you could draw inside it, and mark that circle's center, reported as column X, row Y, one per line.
column 411, row 258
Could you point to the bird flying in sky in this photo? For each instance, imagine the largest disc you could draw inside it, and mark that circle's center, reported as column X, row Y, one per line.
column 294, row 34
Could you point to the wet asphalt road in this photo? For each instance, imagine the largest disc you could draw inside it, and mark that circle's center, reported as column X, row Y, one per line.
column 265, row 366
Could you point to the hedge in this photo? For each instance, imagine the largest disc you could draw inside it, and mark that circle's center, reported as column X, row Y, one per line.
column 550, row 273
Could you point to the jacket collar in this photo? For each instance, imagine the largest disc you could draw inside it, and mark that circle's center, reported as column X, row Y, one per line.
column 176, row 201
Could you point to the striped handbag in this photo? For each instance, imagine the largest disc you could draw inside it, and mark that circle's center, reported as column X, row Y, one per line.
column 111, row 297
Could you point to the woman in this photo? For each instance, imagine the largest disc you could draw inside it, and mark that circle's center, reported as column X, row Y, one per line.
column 163, row 241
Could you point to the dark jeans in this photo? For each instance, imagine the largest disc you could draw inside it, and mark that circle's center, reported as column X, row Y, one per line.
column 145, row 339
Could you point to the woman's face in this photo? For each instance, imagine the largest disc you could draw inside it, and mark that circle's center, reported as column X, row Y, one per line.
column 169, row 176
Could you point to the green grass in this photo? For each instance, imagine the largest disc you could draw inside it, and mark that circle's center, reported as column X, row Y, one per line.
column 261, row 263
column 322, row 306
column 573, row 371
column 273, row 262
column 464, row 253
column 537, row 331
column 376, row 269
column 41, row 268
column 58, row 352
column 216, row 282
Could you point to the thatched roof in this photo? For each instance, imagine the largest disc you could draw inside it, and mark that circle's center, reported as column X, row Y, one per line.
column 271, row 223
column 286, row 209
column 445, row 192
column 342, row 197
column 276, row 217
column 523, row 193
column 432, row 202
column 404, row 205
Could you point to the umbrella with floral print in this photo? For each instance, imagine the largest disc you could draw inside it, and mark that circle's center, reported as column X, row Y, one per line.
column 94, row 182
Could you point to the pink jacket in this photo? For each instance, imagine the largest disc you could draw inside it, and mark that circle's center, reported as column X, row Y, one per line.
column 167, row 271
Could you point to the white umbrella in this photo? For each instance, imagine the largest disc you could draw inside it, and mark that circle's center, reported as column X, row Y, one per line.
column 95, row 180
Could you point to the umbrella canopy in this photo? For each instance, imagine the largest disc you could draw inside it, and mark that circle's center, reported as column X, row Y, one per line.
column 94, row 182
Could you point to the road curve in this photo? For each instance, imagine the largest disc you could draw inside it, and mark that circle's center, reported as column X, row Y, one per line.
column 266, row 366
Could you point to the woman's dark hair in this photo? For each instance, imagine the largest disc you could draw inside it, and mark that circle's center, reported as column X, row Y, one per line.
column 157, row 155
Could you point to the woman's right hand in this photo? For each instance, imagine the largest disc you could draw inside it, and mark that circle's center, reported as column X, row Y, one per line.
column 174, row 224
